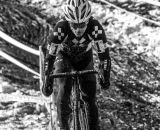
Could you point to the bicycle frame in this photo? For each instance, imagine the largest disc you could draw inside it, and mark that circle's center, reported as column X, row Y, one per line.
column 78, row 120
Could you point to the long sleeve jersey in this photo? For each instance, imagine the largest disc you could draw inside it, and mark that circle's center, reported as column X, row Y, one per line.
column 63, row 39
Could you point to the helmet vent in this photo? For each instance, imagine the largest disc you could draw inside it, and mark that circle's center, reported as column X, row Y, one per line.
column 82, row 15
column 83, row 1
column 77, row 13
column 89, row 12
column 79, row 2
column 67, row 16
column 73, row 3
column 83, row 9
column 71, row 13
column 69, row 2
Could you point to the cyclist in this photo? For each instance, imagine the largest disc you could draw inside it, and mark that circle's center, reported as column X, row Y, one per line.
column 70, row 48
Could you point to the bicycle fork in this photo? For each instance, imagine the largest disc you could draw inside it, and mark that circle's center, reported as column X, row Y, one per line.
column 76, row 103
column 80, row 113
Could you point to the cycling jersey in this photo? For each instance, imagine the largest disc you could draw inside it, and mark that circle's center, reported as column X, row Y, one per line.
column 68, row 53
column 63, row 39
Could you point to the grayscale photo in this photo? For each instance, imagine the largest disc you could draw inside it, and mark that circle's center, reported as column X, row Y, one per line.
column 79, row 64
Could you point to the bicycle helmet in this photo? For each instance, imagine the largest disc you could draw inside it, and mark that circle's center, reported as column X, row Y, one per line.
column 77, row 11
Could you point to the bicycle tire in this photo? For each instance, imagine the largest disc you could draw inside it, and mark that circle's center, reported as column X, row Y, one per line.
column 84, row 117
column 79, row 117
column 77, row 104
column 74, row 119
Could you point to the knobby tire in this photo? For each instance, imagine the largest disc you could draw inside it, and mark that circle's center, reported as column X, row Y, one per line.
column 80, row 112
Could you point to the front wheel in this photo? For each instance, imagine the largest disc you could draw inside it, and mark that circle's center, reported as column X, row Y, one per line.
column 79, row 121
column 79, row 116
column 83, row 117
column 74, row 123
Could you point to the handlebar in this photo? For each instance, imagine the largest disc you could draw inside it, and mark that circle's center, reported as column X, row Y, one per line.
column 73, row 73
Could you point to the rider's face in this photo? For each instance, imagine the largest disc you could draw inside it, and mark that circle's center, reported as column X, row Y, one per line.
column 79, row 31
column 78, row 28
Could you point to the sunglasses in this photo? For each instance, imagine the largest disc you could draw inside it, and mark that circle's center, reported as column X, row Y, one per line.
column 79, row 25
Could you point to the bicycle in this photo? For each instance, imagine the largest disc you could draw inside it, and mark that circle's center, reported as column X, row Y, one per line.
column 78, row 117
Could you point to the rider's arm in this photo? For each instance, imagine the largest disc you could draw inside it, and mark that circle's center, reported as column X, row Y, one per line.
column 101, row 45
column 105, row 64
column 54, row 42
column 105, row 60
column 55, row 39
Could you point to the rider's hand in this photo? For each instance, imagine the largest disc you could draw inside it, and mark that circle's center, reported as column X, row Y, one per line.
column 47, row 88
column 105, row 85
column 104, row 78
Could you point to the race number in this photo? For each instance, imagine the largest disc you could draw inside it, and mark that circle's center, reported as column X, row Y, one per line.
column 54, row 48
